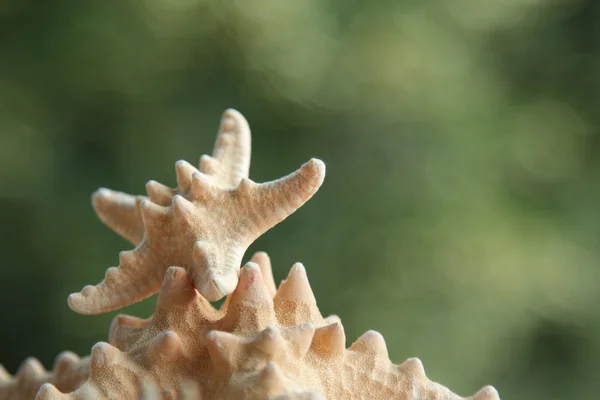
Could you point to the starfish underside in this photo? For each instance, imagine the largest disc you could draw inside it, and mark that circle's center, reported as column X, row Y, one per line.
column 204, row 225
column 262, row 344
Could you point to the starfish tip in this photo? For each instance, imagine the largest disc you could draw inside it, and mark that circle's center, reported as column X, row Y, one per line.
column 101, row 192
column 231, row 112
column 234, row 116
column 487, row 393
column 48, row 392
column 298, row 268
column 218, row 286
column 74, row 301
column 251, row 267
column 100, row 196
column 318, row 166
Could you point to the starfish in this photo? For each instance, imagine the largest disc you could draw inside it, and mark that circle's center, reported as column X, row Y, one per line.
column 266, row 343
column 204, row 225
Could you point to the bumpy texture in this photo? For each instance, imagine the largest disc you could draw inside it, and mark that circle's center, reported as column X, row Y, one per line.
column 68, row 374
column 204, row 225
column 263, row 343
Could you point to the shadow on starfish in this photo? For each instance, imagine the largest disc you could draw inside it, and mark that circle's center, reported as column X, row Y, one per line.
column 204, row 225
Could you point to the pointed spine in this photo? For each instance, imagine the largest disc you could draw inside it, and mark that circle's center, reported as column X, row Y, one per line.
column 103, row 356
column 120, row 212
column 329, row 340
column 159, row 193
column 129, row 320
column 30, row 370
column 4, row 375
column 184, row 210
column 167, row 346
column 184, row 171
column 49, row 392
column 125, row 330
column 223, row 349
column 201, row 185
column 208, row 165
column 152, row 214
column 300, row 338
column 246, row 185
column 251, row 306
column 271, row 379
column 264, row 263
column 413, row 367
column 294, row 301
column 269, row 342
column 371, row 342
column 124, row 337
column 127, row 258
column 177, row 288
column 64, row 363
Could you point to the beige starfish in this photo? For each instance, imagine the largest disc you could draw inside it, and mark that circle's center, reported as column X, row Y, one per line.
column 259, row 346
column 69, row 373
column 204, row 225
column 229, row 164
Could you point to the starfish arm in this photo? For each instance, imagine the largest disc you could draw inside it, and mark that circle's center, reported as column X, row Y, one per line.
column 272, row 202
column 230, row 161
column 133, row 280
column 139, row 274
column 120, row 212
column 212, row 282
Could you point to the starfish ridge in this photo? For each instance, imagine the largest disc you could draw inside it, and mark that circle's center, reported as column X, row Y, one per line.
column 204, row 225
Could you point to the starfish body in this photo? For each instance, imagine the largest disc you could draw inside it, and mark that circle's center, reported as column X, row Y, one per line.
column 259, row 345
column 204, row 225
column 69, row 373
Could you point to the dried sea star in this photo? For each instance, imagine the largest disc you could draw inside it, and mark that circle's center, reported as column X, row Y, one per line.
column 204, row 225
column 262, row 344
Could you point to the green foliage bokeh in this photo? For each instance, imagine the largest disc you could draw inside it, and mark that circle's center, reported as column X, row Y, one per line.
column 460, row 215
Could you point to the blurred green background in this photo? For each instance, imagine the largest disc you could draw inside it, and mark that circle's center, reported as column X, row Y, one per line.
column 460, row 215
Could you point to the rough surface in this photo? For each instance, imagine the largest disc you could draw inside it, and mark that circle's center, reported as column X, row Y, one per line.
column 204, row 225
column 258, row 346
column 69, row 372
